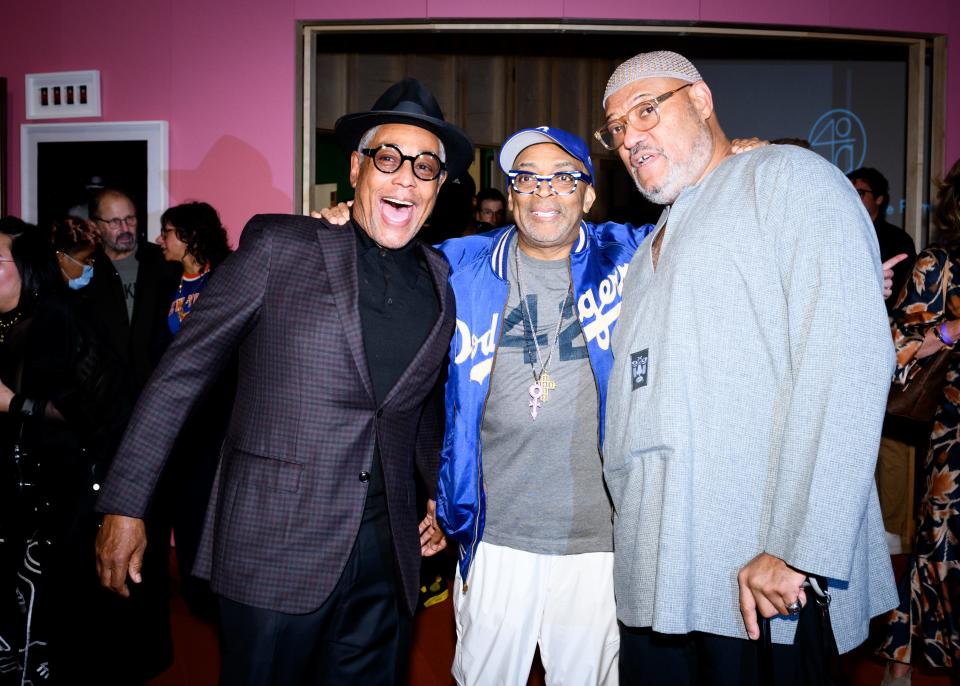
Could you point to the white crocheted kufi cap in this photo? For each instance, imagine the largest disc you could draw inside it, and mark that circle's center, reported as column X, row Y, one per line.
column 651, row 65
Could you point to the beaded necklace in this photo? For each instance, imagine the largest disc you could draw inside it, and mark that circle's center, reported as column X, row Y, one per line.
column 7, row 321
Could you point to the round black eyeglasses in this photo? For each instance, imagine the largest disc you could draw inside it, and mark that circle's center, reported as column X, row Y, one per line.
column 388, row 158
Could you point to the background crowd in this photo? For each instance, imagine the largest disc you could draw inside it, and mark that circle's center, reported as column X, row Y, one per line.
column 87, row 308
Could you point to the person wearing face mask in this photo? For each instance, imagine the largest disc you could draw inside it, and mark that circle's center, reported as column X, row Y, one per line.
column 63, row 400
column 74, row 245
column 70, row 265
column 86, row 273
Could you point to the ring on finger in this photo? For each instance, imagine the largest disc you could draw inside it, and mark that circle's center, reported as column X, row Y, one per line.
column 795, row 607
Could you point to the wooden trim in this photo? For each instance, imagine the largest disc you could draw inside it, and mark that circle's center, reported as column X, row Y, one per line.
column 914, row 177
column 915, row 174
column 938, row 116
column 587, row 27
column 303, row 113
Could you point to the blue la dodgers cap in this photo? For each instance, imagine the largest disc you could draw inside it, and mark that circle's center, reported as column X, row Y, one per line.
column 524, row 138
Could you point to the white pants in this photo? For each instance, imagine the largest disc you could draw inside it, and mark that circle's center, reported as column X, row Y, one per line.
column 516, row 600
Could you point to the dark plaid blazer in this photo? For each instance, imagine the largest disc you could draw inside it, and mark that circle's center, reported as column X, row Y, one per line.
column 288, row 500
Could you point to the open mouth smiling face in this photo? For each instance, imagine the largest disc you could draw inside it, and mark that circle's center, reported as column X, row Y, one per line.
column 392, row 207
column 397, row 211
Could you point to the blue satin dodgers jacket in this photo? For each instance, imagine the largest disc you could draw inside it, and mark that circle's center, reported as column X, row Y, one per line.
column 478, row 276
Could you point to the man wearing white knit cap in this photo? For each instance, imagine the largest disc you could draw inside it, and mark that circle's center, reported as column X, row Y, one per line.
column 752, row 362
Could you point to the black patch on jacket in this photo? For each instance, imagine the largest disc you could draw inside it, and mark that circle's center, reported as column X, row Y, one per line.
column 638, row 368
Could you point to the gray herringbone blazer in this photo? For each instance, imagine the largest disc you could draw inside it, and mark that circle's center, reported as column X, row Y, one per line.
column 288, row 500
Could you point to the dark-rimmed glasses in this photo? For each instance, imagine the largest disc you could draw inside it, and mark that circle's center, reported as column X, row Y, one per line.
column 642, row 116
column 388, row 158
column 561, row 183
column 117, row 222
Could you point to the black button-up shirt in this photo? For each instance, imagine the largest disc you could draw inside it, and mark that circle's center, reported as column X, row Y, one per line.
column 398, row 307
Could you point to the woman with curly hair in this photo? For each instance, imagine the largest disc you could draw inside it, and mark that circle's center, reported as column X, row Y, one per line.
column 926, row 319
column 192, row 234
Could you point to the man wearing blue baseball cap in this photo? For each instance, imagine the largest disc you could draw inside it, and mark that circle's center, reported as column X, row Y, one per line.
column 521, row 484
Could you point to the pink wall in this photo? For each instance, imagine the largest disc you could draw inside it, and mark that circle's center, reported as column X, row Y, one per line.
column 222, row 71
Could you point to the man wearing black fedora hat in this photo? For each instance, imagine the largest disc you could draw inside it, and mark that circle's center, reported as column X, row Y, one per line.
column 311, row 537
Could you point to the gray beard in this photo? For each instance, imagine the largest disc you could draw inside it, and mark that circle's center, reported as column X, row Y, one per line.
column 681, row 175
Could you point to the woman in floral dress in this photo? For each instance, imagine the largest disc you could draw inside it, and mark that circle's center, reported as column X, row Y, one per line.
column 926, row 319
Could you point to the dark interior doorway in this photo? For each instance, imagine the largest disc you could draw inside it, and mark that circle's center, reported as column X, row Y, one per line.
column 68, row 171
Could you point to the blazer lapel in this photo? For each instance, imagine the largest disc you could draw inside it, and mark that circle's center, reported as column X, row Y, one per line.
column 439, row 271
column 338, row 245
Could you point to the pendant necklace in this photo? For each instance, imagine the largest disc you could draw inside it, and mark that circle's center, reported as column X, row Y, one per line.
column 542, row 384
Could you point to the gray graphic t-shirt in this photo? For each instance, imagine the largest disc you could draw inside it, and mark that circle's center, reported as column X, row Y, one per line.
column 127, row 270
column 543, row 476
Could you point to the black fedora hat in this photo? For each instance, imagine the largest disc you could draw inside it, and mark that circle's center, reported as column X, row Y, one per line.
column 409, row 102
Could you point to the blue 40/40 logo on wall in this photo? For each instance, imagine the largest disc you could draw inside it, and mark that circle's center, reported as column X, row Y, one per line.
column 839, row 136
